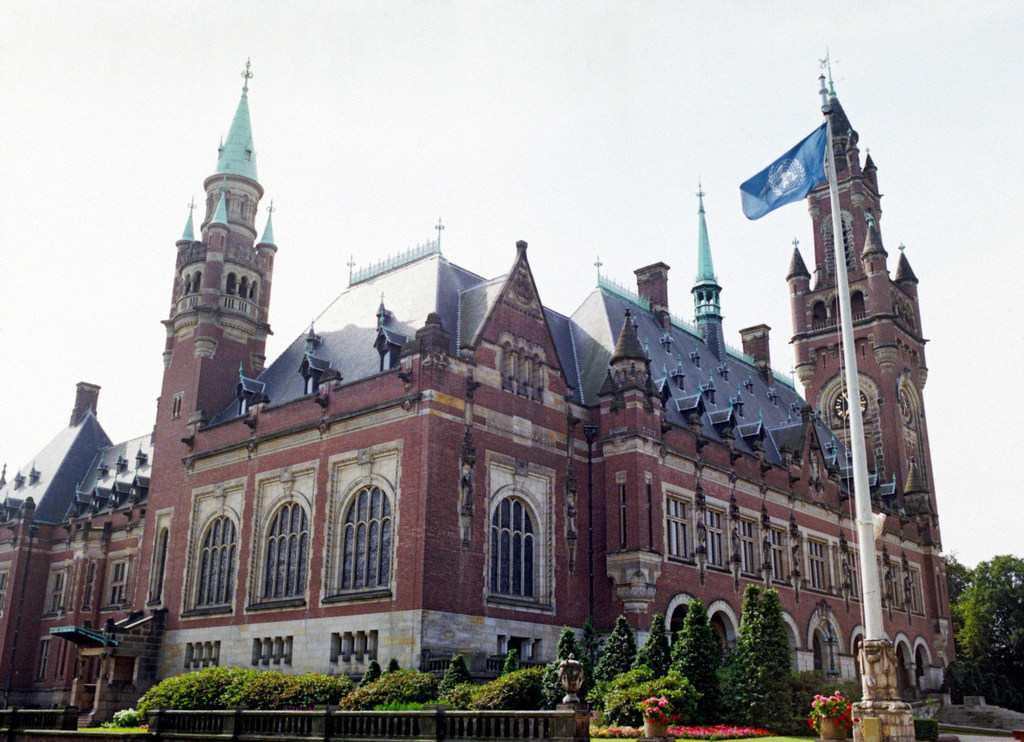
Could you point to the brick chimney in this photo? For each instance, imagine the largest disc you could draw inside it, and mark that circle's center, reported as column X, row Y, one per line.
column 755, row 345
column 86, row 397
column 652, row 284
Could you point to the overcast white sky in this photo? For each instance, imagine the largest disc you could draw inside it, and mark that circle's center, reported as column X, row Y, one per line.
column 581, row 127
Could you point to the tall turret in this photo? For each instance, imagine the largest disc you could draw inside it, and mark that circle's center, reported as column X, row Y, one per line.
column 221, row 291
column 706, row 291
column 886, row 319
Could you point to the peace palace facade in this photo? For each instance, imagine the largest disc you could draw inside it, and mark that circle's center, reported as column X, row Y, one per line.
column 455, row 467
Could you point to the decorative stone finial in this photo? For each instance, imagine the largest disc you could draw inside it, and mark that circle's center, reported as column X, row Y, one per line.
column 570, row 675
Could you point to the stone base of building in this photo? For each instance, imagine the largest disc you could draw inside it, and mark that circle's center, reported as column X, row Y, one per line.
column 883, row 721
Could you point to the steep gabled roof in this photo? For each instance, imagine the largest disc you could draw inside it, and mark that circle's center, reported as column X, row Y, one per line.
column 51, row 477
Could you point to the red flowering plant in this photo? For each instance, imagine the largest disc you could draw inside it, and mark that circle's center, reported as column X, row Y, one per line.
column 832, row 709
column 658, row 710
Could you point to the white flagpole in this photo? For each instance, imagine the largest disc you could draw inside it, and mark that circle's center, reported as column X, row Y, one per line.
column 870, row 590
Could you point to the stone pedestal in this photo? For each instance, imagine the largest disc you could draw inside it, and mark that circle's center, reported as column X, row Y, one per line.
column 882, row 716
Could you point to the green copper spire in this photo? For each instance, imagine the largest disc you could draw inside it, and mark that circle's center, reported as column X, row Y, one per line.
column 220, row 216
column 705, row 288
column 189, row 234
column 237, row 156
column 268, row 231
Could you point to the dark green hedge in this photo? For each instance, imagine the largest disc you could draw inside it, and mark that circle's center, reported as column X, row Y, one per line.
column 926, row 729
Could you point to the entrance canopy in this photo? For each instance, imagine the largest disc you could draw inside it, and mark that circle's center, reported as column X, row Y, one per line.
column 84, row 637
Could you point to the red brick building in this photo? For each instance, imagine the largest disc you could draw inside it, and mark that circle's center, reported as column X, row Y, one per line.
column 443, row 464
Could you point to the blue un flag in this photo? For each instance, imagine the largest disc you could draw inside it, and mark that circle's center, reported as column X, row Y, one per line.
column 789, row 178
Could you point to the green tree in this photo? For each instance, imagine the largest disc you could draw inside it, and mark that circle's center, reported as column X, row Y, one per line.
column 392, row 666
column 567, row 645
column 618, row 652
column 655, row 651
column 371, row 674
column 456, row 673
column 988, row 616
column 511, row 662
column 697, row 657
column 590, row 644
column 758, row 692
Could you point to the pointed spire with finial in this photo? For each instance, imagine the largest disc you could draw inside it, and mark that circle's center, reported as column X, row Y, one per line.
column 189, row 234
column 903, row 270
column 873, row 241
column 220, row 216
column 237, row 155
column 268, row 231
column 797, row 267
column 706, row 290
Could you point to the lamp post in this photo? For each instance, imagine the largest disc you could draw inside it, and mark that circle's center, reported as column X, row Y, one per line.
column 831, row 642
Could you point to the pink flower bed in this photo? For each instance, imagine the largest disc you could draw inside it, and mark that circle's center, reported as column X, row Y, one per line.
column 721, row 731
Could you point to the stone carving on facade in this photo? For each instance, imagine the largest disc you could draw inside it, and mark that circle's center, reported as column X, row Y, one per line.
column 467, row 477
column 571, row 514
column 635, row 577
column 878, row 668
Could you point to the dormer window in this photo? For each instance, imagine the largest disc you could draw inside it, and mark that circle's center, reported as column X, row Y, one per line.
column 312, row 370
column 389, row 346
column 19, row 481
column 33, row 476
column 104, row 469
column 141, row 458
column 723, row 371
column 695, row 357
column 249, row 392
column 122, row 464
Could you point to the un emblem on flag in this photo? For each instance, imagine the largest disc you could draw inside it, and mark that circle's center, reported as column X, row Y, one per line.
column 785, row 176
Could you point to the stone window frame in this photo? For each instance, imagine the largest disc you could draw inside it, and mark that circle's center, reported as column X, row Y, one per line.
column 534, row 485
column 675, row 522
column 350, row 473
column 517, row 560
column 714, row 524
column 778, row 538
column 747, row 529
column 232, row 548
column 818, row 572
column 117, row 582
column 44, row 658
column 295, row 484
column 57, row 583
column 223, row 499
column 385, row 521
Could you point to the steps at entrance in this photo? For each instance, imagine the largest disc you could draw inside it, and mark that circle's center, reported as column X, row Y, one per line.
column 986, row 717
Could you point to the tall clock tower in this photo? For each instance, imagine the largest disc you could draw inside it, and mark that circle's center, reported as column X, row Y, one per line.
column 887, row 329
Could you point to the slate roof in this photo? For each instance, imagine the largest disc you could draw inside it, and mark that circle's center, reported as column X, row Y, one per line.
column 729, row 394
column 117, row 473
column 52, row 475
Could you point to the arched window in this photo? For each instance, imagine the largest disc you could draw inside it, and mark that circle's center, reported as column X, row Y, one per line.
column 252, row 291
column 230, row 288
column 287, row 548
column 217, row 563
column 857, row 304
column 197, row 281
column 243, row 288
column 512, row 545
column 366, row 541
column 159, row 564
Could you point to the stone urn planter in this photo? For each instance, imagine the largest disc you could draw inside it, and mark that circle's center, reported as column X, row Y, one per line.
column 655, row 729
column 830, row 730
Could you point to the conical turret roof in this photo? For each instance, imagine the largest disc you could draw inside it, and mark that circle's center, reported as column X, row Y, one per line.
column 268, row 231
column 705, row 267
column 628, row 347
column 903, row 270
column 237, row 155
column 797, row 268
column 915, row 481
column 873, row 241
column 189, row 234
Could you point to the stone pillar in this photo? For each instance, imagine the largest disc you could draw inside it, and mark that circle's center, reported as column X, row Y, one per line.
column 882, row 716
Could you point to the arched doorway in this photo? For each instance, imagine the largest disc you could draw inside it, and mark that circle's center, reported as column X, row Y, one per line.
column 902, row 668
column 723, row 622
column 920, row 661
column 675, row 620
column 818, row 651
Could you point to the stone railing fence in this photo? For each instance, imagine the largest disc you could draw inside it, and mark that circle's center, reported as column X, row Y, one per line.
column 17, row 719
column 434, row 723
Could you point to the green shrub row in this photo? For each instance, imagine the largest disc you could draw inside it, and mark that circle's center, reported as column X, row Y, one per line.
column 224, row 687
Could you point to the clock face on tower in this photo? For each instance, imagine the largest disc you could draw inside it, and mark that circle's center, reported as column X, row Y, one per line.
column 841, row 405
